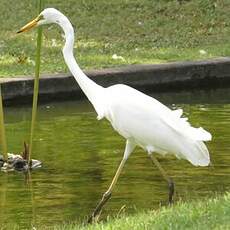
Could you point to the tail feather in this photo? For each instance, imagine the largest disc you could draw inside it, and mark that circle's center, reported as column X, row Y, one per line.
column 192, row 147
column 199, row 134
column 197, row 154
column 182, row 126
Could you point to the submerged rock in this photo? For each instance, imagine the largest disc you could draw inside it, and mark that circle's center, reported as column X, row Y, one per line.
column 1, row 161
column 20, row 165
column 35, row 164
column 16, row 162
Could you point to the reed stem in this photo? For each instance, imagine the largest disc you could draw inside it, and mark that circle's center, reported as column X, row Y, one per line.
column 2, row 129
column 36, row 83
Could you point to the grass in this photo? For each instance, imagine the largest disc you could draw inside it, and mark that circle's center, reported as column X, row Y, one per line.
column 209, row 214
column 141, row 31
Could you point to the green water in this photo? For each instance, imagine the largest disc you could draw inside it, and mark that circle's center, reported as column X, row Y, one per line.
column 80, row 156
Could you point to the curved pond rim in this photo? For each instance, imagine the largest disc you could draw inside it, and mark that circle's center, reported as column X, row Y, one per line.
column 160, row 78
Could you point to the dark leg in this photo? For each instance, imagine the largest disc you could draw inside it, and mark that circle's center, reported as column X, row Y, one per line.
column 107, row 194
column 96, row 213
column 168, row 179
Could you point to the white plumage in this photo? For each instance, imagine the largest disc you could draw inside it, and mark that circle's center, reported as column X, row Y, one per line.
column 140, row 119
column 153, row 126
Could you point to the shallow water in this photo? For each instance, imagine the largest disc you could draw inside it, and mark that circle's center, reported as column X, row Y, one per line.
column 80, row 156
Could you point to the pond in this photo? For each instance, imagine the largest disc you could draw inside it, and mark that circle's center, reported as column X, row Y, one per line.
column 80, row 156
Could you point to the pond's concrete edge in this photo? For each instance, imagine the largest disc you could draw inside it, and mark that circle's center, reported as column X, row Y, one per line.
column 212, row 73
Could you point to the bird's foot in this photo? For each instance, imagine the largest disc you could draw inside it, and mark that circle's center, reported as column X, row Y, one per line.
column 94, row 218
column 171, row 190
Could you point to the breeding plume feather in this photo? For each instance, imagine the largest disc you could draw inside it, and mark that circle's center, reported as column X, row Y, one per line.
column 142, row 120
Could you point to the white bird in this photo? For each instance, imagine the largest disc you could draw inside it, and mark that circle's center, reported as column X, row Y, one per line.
column 142, row 120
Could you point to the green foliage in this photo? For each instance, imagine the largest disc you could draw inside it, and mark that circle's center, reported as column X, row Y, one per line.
column 211, row 214
column 141, row 31
column 36, row 82
column 2, row 130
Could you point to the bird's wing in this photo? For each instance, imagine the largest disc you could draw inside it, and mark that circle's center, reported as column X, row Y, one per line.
column 149, row 106
column 152, row 124
column 182, row 126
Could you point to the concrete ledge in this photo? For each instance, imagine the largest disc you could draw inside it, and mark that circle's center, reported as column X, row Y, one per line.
column 213, row 73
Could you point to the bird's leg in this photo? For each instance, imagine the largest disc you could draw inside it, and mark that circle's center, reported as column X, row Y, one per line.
column 128, row 149
column 164, row 174
column 107, row 194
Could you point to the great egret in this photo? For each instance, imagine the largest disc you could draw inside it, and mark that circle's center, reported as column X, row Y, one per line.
column 140, row 119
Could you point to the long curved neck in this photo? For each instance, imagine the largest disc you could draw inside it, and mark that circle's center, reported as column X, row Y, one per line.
column 89, row 87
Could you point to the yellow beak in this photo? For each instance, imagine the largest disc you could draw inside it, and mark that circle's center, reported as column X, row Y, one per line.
column 29, row 25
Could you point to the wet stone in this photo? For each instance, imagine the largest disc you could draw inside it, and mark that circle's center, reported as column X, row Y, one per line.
column 17, row 163
column 20, row 165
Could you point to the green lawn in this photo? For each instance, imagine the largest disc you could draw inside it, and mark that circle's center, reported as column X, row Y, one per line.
column 210, row 214
column 141, row 31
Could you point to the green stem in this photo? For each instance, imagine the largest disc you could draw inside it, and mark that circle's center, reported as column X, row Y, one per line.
column 2, row 129
column 36, row 83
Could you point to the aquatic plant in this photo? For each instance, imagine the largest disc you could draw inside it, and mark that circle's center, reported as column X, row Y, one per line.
column 36, row 82
column 2, row 128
